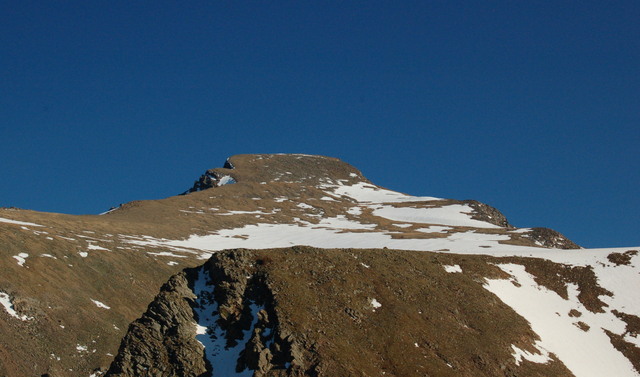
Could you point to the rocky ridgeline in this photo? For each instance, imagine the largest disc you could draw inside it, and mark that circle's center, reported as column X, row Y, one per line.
column 320, row 170
column 163, row 342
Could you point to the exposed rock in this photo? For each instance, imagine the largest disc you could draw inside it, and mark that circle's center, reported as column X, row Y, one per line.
column 486, row 213
column 163, row 342
column 211, row 178
column 622, row 258
column 550, row 238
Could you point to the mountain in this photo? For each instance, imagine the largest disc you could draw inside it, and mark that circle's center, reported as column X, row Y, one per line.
column 297, row 265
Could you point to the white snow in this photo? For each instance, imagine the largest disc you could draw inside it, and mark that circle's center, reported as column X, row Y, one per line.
column 356, row 211
column 226, row 180
column 100, row 304
column 83, row 254
column 166, row 254
column 16, row 222
column 5, row 301
column 540, row 358
column 109, row 211
column 521, row 230
column 367, row 193
column 585, row 353
column 21, row 258
column 334, row 232
column 375, row 304
column 403, row 225
column 220, row 350
column 305, row 206
column 452, row 268
column 96, row 247
column 229, row 213
column 453, row 215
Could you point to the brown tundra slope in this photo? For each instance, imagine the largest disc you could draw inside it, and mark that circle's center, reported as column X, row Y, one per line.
column 387, row 284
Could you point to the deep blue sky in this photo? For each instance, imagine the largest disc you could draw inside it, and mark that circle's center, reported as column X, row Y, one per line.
column 533, row 108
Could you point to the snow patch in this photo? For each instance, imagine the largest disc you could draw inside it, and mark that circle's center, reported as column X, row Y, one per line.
column 521, row 230
column 16, row 222
column 226, row 180
column 5, row 301
column 367, row 193
column 100, row 304
column 21, row 258
column 96, row 247
column 540, row 358
column 452, row 268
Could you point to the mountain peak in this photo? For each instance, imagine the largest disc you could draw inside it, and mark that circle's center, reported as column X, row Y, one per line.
column 284, row 168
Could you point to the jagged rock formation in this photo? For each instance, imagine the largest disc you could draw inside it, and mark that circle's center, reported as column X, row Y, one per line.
column 163, row 342
column 213, row 178
column 550, row 238
column 230, row 288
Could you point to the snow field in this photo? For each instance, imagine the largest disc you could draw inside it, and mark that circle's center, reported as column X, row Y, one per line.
column 586, row 353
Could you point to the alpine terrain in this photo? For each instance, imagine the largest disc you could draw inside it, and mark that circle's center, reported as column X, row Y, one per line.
column 297, row 265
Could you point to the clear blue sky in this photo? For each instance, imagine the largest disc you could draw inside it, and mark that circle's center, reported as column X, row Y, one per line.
column 532, row 107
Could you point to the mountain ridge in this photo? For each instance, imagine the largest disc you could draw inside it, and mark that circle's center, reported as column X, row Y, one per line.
column 83, row 279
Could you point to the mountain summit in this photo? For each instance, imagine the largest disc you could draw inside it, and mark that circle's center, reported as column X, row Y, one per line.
column 285, row 168
column 297, row 265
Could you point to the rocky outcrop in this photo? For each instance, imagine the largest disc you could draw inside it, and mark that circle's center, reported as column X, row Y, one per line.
column 213, row 320
column 550, row 238
column 211, row 178
column 163, row 342
column 486, row 213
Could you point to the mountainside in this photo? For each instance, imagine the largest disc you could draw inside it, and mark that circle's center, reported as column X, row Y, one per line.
column 385, row 284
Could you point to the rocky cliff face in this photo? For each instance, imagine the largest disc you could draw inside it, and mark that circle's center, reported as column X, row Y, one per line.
column 217, row 319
